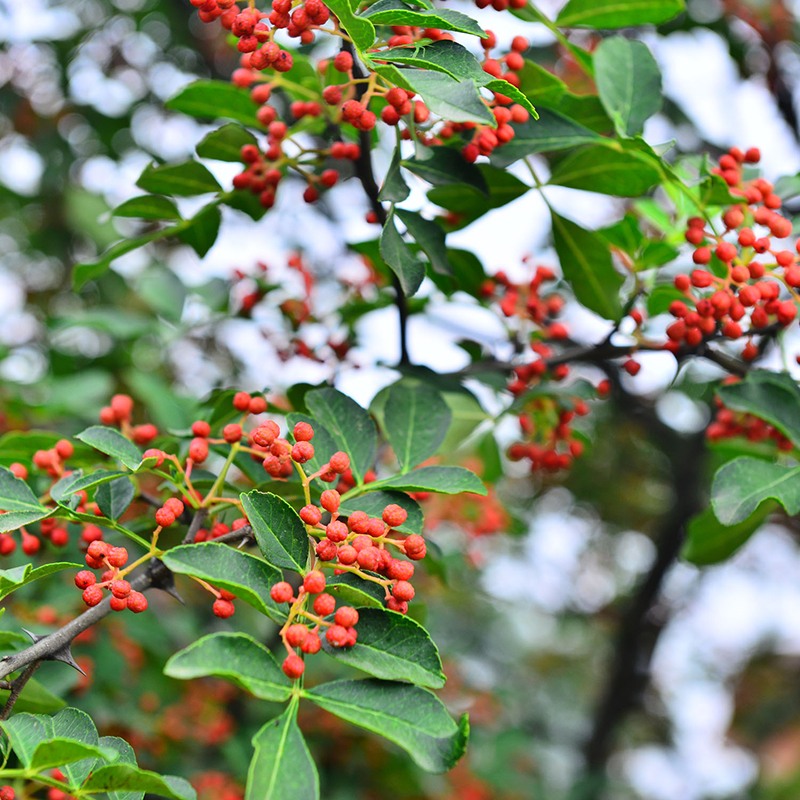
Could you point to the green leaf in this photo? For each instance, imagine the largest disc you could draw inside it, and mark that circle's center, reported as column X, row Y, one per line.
column 394, row 189
column 628, row 82
column 248, row 577
column 586, row 264
column 238, row 658
column 600, row 169
column 214, row 100
column 539, row 85
column 444, row 56
column 394, row 12
column 114, row 497
column 500, row 86
column 430, row 237
column 15, row 494
column 416, row 421
column 742, row 485
column 452, row 99
column 64, row 753
column 446, row 480
column 411, row 717
column 662, row 296
column 78, row 482
column 446, row 166
column 361, row 30
column 35, row 699
column 201, row 232
column 76, row 725
column 617, row 13
column 246, row 202
column 125, row 755
column 394, row 647
column 26, row 731
column 125, row 778
column 282, row 767
column 112, row 443
column 17, row 577
column 184, row 180
column 397, row 254
column 148, row 206
column 708, row 541
column 355, row 591
column 373, row 504
column 349, row 424
column 552, row 131
column 225, row 143
column 280, row 533
column 772, row 396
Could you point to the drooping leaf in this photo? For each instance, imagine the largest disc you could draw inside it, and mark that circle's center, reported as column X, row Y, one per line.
column 397, row 254
column 225, row 143
column 183, row 180
column 708, row 541
column 78, row 482
column 444, row 56
column 236, row 657
column 446, row 480
column 148, row 206
column 628, row 82
column 586, row 264
column 282, row 766
column 410, row 716
column 280, row 533
column 112, row 443
column 356, row 591
column 215, row 100
column 394, row 189
column 114, row 497
column 742, row 485
column 202, row 230
column 360, row 29
column 125, row 778
column 601, row 169
column 416, row 421
column 445, row 166
column 349, row 424
column 430, row 237
column 248, row 577
column 394, row 647
column 617, row 13
column 35, row 699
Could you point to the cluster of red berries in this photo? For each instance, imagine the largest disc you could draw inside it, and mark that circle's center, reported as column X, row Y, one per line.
column 739, row 287
column 550, row 443
column 102, row 555
column 119, row 412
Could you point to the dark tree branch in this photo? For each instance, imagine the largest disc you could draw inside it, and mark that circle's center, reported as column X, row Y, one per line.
column 16, row 688
column 366, row 176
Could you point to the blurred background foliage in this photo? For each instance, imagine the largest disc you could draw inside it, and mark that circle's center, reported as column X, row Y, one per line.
column 533, row 590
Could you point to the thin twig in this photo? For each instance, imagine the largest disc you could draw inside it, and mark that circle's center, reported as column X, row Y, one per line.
column 17, row 686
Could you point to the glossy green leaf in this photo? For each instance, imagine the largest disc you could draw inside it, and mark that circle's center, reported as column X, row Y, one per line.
column 114, row 497
column 772, row 396
column 248, row 577
column 125, row 755
column 742, row 485
column 77, row 726
column 430, row 237
column 148, row 206
column 215, row 100
column 628, row 83
column 184, row 180
column 601, row 169
column 443, row 56
column 361, row 30
column 111, row 442
column 282, row 766
column 17, row 577
column 500, row 86
column 34, row 699
column 225, row 143
column 394, row 12
column 551, row 132
column 617, row 13
column 280, row 533
column 539, row 85
column 350, row 425
column 352, row 590
column 128, row 778
column 394, row 189
column 446, row 166
column 202, row 230
column 238, row 658
column 586, row 264
column 77, row 482
column 26, row 732
column 15, row 494
column 392, row 646
column 708, row 541
column 373, row 504
column 64, row 753
column 446, row 480
column 398, row 255
column 410, row 716
column 416, row 422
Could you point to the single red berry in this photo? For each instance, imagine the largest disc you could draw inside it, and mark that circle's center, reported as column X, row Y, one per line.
column 296, row 635
column 258, row 405
column 19, row 471
column 330, row 500
column 347, row 555
column 64, row 449
column 339, row 462
column 281, row 592
column 164, row 517
column 117, row 557
column 399, row 570
column 97, row 549
column 223, row 608
column 337, row 531
column 233, row 432
column 118, row 603
column 314, row 582
column 324, row 604
column 396, row 605
column 201, row 428
column 343, row 62
column 30, row 544
column 336, row 636
column 369, row 558
column 7, row 793
column 137, row 602
column 120, row 588
column 302, row 452
column 241, row 401
column 84, row 579
column 346, row 616
column 403, row 591
column 303, row 432
column 312, row 644
column 311, row 515
column 92, row 595
column 122, row 406
column 394, row 515
column 174, row 505
column 198, row 450
column 293, row 667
